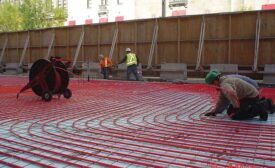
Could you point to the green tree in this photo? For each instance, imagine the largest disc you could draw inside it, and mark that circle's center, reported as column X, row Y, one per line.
column 41, row 14
column 10, row 18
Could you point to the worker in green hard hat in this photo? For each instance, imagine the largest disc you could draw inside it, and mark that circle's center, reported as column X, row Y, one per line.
column 243, row 97
column 267, row 102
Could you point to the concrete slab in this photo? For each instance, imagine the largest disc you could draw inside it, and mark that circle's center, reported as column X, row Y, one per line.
column 128, row 124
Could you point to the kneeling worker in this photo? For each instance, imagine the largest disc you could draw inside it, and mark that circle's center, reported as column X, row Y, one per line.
column 244, row 98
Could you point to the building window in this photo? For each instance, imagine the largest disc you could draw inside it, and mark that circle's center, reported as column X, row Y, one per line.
column 176, row 3
column 119, row 2
column 103, row 2
column 89, row 4
column 62, row 3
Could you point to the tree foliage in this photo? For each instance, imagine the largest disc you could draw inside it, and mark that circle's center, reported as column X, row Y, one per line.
column 10, row 17
column 31, row 14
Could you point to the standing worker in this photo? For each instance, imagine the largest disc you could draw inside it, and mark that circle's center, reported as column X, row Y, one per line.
column 132, row 62
column 244, row 98
column 105, row 65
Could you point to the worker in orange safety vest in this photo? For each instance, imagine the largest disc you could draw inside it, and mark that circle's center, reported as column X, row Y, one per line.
column 105, row 65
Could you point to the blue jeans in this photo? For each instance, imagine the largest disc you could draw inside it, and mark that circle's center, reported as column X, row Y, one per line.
column 105, row 72
column 132, row 69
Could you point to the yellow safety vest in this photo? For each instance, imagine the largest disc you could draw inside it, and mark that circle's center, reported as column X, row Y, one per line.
column 131, row 59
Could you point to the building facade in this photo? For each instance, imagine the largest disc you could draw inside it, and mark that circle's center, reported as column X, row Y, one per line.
column 11, row 1
column 100, row 11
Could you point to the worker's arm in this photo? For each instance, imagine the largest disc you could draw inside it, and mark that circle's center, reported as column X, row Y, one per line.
column 101, row 63
column 137, row 60
column 220, row 104
column 123, row 60
column 109, row 62
column 218, row 107
column 232, row 96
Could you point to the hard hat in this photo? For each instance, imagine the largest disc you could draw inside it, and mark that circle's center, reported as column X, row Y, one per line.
column 216, row 71
column 211, row 76
column 101, row 56
column 128, row 49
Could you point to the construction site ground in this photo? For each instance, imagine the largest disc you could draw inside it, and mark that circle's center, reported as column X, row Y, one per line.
column 109, row 123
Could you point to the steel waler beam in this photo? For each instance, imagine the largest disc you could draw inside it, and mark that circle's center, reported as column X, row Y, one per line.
column 153, row 44
column 113, row 43
column 201, row 43
column 27, row 41
column 3, row 50
column 78, row 48
column 50, row 47
column 2, row 54
column 257, row 42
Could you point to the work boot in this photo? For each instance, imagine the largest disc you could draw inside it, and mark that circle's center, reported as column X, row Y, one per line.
column 270, row 106
column 266, row 103
column 262, row 98
column 264, row 116
column 272, row 109
column 261, row 108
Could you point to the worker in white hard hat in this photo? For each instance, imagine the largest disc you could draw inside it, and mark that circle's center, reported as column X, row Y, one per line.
column 105, row 65
column 132, row 62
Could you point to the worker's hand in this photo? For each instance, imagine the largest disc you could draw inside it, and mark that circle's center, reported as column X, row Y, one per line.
column 232, row 111
column 210, row 114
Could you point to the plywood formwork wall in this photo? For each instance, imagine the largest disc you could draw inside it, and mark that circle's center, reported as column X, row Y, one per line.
column 229, row 39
